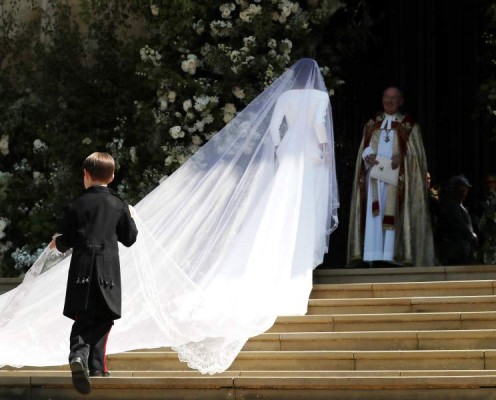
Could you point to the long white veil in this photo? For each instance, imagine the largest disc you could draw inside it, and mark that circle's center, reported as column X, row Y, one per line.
column 226, row 244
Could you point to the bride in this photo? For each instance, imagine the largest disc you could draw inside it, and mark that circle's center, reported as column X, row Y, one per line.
column 226, row 244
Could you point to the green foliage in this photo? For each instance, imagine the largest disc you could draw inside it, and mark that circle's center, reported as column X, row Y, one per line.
column 488, row 65
column 66, row 82
column 148, row 82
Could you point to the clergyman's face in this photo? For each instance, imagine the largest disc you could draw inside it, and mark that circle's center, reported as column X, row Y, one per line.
column 391, row 100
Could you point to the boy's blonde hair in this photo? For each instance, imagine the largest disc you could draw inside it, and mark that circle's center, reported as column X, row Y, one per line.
column 100, row 166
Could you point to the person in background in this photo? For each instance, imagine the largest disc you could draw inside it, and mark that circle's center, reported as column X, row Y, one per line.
column 456, row 240
column 486, row 222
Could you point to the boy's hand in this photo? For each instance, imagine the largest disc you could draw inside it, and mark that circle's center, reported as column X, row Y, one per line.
column 132, row 211
column 52, row 245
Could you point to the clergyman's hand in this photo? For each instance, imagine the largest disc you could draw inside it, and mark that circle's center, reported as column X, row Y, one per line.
column 395, row 161
column 371, row 159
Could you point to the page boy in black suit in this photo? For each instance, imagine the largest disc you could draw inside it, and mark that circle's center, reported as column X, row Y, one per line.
column 92, row 226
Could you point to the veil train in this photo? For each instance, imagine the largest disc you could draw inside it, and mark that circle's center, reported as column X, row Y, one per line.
column 225, row 245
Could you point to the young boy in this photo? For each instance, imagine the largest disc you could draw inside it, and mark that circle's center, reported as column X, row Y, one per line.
column 92, row 226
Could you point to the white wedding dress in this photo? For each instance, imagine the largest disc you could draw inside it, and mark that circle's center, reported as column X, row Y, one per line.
column 225, row 245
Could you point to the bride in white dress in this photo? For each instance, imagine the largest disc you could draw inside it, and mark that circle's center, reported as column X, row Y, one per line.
column 226, row 244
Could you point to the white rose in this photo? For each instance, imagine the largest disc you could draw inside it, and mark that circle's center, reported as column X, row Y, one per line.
column 171, row 96
column 181, row 159
column 39, row 145
column 162, row 101
column 3, row 224
column 86, row 140
column 230, row 108
column 190, row 64
column 132, row 153
column 175, row 132
column 154, row 9
column 187, row 104
column 196, row 140
column 169, row 160
column 4, row 145
column 238, row 92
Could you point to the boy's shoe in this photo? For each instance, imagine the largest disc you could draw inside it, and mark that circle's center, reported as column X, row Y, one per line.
column 95, row 372
column 80, row 377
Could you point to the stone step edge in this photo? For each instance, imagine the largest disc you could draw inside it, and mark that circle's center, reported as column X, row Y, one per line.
column 325, row 354
column 343, row 335
column 294, row 383
column 255, row 373
column 387, row 317
column 407, row 300
column 397, row 286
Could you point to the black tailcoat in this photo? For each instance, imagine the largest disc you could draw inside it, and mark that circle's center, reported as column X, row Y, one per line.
column 92, row 226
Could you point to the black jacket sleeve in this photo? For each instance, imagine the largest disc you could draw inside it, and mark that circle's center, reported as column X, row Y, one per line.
column 127, row 231
column 66, row 241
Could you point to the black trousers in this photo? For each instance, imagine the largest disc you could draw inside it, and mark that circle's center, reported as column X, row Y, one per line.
column 90, row 331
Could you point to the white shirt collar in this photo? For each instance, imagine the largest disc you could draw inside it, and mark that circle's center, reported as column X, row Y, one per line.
column 388, row 119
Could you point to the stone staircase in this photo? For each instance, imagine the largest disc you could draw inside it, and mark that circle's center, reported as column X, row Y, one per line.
column 392, row 333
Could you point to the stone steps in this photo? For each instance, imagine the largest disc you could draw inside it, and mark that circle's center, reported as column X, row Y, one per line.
column 309, row 360
column 389, row 340
column 404, row 289
column 408, row 387
column 405, row 274
column 385, row 338
column 402, row 305
column 386, row 322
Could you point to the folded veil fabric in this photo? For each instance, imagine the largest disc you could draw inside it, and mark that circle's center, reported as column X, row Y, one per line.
column 226, row 244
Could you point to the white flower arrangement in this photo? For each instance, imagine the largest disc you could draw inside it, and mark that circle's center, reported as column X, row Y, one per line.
column 250, row 13
column 220, row 28
column 148, row 54
column 286, row 45
column 3, row 224
column 39, row 146
column 201, row 102
column 182, row 158
column 154, row 9
column 235, row 56
column 176, row 132
column 226, row 9
column 190, row 64
column 133, row 155
column 229, row 112
column 38, row 177
column 197, row 140
column 238, row 92
column 171, row 96
column 4, row 145
column 187, row 104
column 250, row 41
column 162, row 103
column 23, row 258
column 199, row 27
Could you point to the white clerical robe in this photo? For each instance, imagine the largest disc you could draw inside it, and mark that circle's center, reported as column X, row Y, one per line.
column 379, row 242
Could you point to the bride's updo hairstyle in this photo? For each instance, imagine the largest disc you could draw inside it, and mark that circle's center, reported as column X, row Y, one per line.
column 100, row 166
